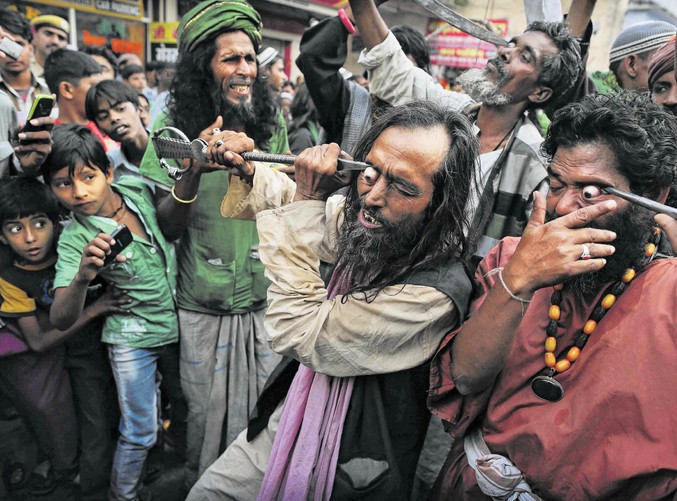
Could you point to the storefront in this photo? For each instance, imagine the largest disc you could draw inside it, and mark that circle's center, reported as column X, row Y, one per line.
column 120, row 25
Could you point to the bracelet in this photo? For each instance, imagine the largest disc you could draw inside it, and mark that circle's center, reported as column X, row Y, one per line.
column 181, row 200
column 346, row 21
column 522, row 301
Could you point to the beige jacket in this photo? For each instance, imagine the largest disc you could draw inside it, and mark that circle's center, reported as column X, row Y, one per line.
column 345, row 336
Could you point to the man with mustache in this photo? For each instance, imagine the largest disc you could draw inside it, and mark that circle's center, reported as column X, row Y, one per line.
column 354, row 418
column 225, row 359
column 540, row 64
column 560, row 383
column 50, row 33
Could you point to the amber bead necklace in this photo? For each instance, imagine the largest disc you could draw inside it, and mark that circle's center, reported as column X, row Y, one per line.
column 545, row 386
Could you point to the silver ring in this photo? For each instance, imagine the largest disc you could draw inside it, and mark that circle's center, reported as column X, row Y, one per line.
column 585, row 255
column 218, row 143
column 216, row 131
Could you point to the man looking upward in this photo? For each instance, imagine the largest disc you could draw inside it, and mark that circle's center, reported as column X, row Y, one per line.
column 538, row 65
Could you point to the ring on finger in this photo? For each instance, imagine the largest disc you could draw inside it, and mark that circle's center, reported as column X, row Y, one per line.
column 218, row 143
column 216, row 131
column 585, row 255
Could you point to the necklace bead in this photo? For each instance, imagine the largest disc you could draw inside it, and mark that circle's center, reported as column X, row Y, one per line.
column 543, row 384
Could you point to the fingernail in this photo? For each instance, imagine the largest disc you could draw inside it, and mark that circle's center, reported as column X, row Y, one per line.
column 22, row 135
column 34, row 122
column 112, row 241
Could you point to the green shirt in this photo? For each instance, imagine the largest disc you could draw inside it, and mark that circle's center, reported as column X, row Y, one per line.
column 148, row 276
column 219, row 268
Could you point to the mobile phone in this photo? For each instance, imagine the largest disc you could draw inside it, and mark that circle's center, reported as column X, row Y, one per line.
column 42, row 107
column 123, row 237
column 11, row 48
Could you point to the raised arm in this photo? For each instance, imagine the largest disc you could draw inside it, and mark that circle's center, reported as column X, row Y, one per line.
column 546, row 255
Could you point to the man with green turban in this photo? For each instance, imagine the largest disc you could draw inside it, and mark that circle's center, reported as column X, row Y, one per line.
column 221, row 295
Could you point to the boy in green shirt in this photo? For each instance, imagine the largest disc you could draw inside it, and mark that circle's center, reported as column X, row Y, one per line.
column 80, row 176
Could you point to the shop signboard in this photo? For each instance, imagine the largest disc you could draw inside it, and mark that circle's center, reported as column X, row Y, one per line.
column 163, row 43
column 127, row 9
column 452, row 47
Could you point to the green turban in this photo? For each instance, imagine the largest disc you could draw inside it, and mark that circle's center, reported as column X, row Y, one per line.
column 210, row 18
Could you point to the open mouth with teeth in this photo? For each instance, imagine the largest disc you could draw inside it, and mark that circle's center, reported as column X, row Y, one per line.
column 241, row 89
column 368, row 220
column 120, row 130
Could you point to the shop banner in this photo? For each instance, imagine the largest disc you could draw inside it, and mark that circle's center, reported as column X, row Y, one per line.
column 127, row 9
column 163, row 45
column 452, row 47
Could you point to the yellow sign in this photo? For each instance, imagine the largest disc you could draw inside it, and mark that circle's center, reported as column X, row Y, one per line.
column 163, row 32
column 127, row 9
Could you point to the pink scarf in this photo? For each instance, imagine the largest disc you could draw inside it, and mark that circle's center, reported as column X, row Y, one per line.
column 303, row 460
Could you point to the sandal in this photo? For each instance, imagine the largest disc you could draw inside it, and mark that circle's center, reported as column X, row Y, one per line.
column 14, row 476
column 39, row 485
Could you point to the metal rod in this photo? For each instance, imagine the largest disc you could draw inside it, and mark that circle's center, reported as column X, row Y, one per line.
column 255, row 156
column 647, row 203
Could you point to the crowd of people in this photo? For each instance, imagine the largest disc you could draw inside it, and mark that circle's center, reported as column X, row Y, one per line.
column 293, row 331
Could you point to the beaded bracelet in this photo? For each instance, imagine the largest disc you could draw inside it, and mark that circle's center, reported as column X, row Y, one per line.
column 346, row 21
column 181, row 200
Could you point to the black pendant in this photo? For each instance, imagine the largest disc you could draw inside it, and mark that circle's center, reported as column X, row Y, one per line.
column 547, row 388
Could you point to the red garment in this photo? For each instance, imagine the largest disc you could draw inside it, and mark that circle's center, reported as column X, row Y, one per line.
column 614, row 434
column 95, row 130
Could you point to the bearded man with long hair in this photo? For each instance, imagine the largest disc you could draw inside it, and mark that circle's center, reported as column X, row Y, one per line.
column 354, row 416
column 221, row 294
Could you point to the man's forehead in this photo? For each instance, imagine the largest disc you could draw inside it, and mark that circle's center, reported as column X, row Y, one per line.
column 234, row 41
column 539, row 42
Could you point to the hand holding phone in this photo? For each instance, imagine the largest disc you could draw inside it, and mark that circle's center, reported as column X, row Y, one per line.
column 42, row 107
column 123, row 237
column 10, row 48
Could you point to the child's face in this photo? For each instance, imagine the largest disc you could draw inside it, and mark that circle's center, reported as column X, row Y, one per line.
column 121, row 122
column 87, row 193
column 137, row 81
column 31, row 238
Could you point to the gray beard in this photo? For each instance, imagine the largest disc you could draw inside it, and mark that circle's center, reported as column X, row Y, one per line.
column 234, row 114
column 475, row 83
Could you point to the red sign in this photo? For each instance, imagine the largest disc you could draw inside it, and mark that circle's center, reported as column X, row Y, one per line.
column 452, row 47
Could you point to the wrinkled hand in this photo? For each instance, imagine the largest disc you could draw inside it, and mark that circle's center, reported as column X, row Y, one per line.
column 32, row 148
column 669, row 226
column 315, row 172
column 93, row 256
column 223, row 151
column 549, row 253
column 111, row 301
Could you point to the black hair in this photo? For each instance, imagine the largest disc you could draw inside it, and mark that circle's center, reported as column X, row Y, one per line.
column 23, row 196
column 413, row 44
column 446, row 220
column 641, row 135
column 100, row 50
column 192, row 106
column 70, row 66
column 131, row 69
column 302, row 109
column 141, row 95
column 290, row 83
column 111, row 91
column 15, row 23
column 560, row 71
column 74, row 145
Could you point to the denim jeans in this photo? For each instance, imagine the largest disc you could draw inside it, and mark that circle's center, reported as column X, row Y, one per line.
column 138, row 383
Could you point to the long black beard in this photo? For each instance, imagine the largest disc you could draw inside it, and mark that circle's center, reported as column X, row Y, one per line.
column 368, row 253
column 632, row 226
column 238, row 114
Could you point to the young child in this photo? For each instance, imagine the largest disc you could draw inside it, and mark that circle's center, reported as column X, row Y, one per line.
column 79, row 174
column 37, row 381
